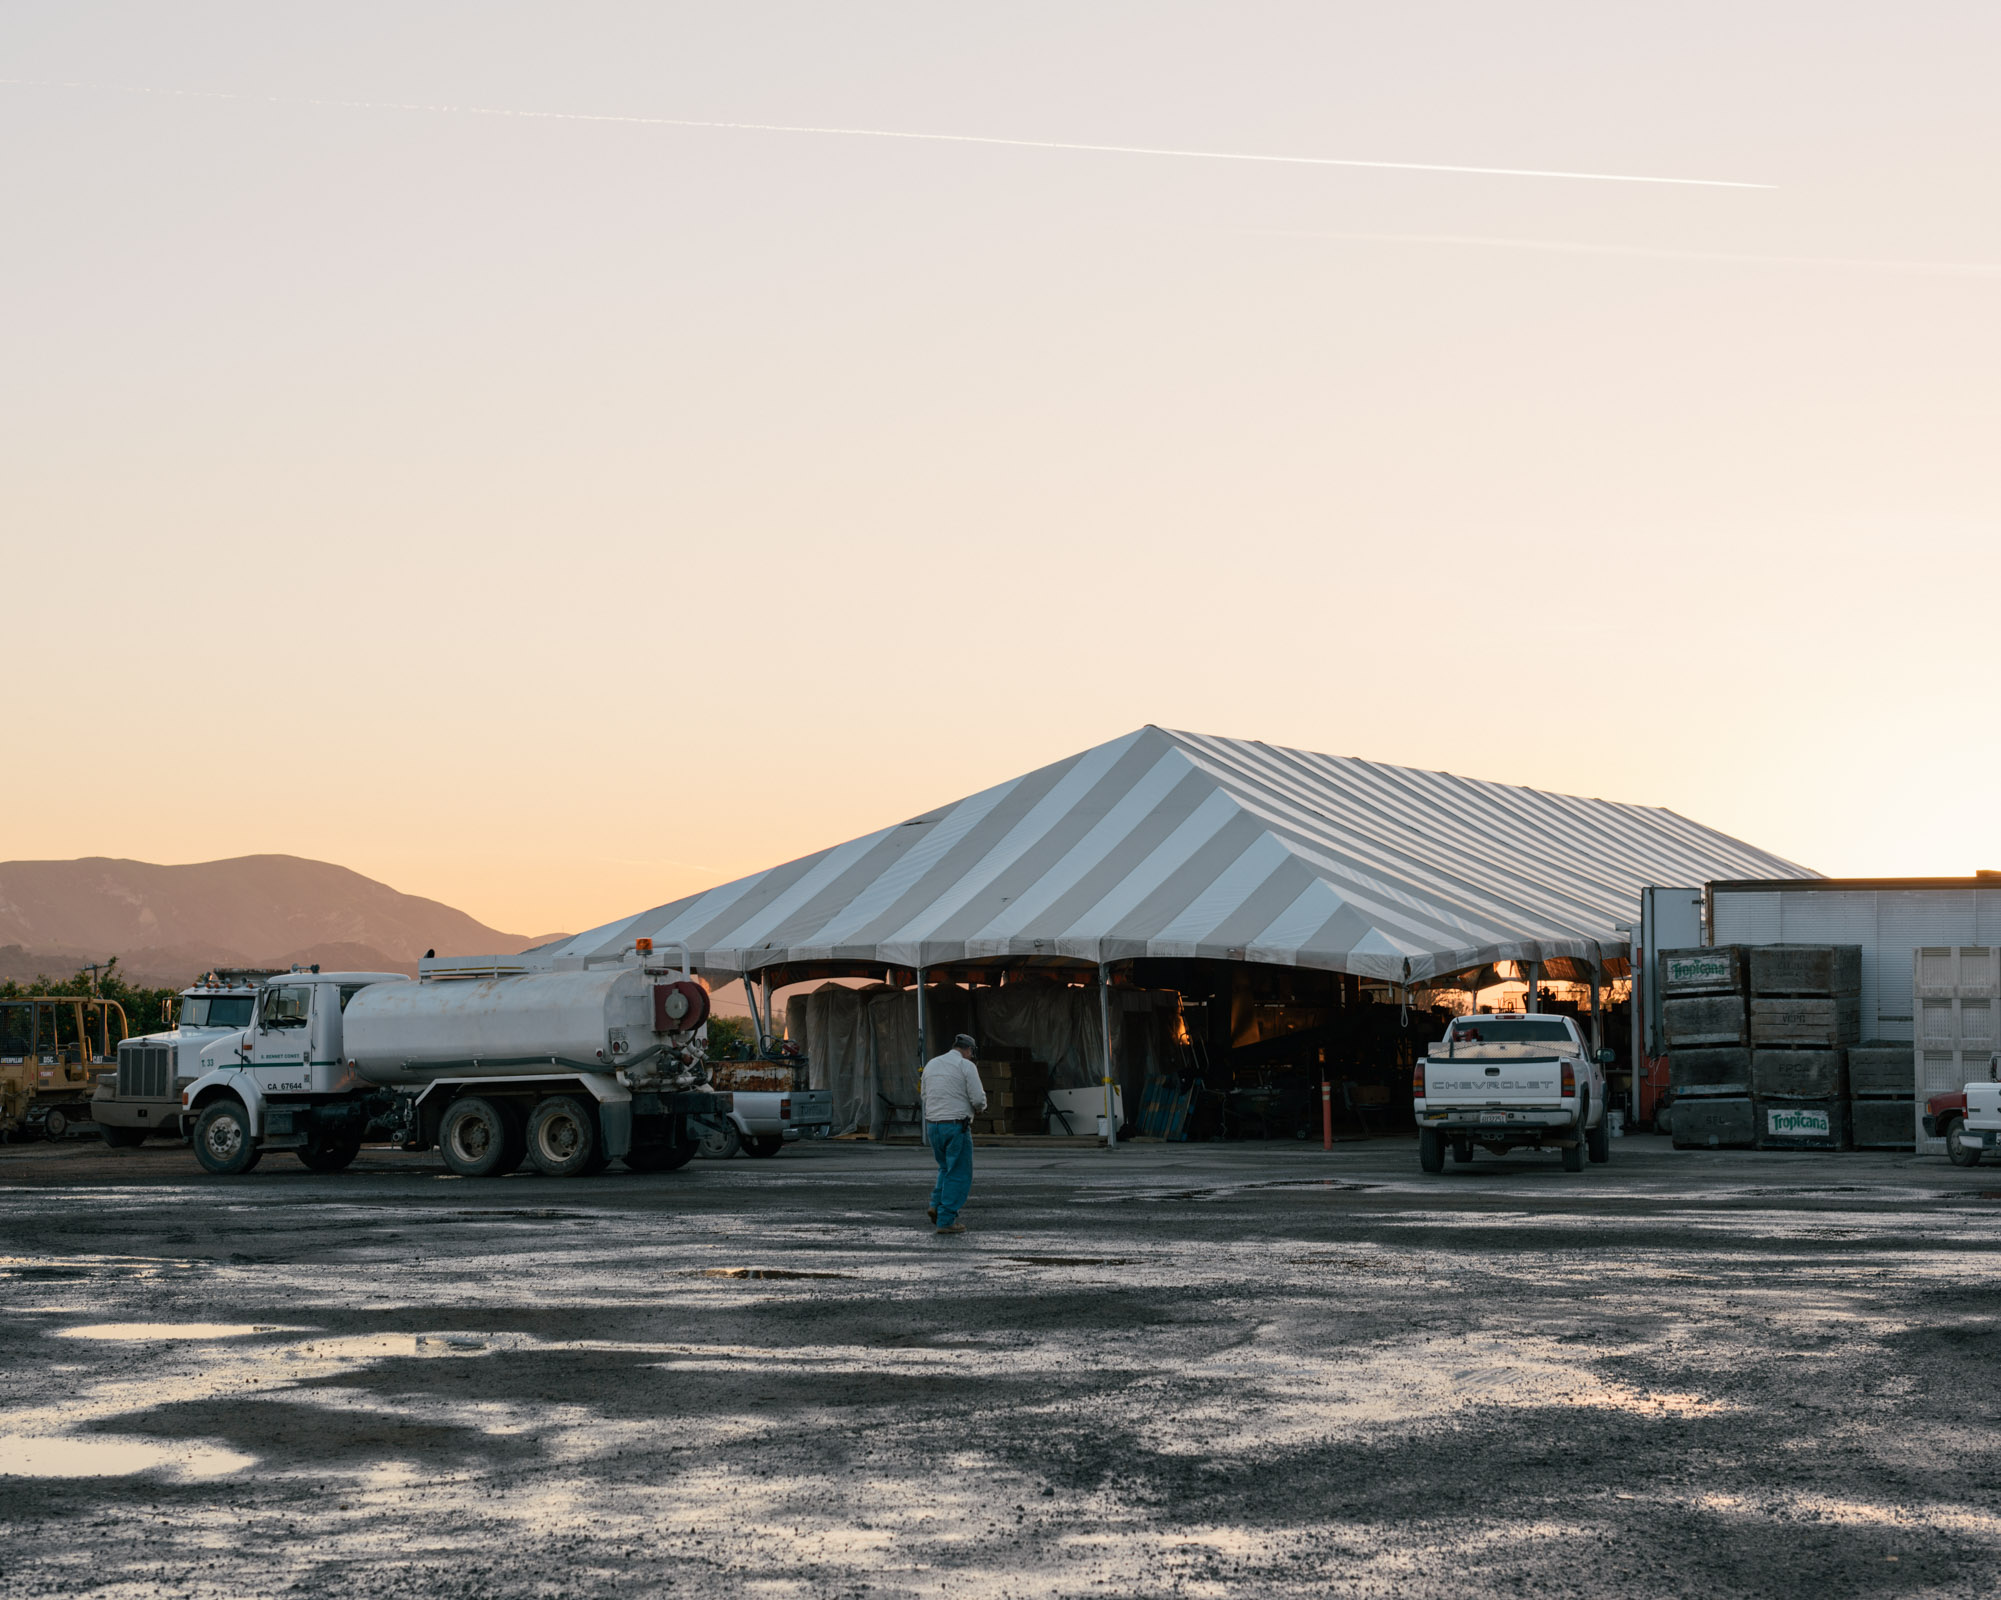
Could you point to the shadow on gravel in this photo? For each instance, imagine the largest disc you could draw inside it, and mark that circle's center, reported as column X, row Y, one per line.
column 291, row 1432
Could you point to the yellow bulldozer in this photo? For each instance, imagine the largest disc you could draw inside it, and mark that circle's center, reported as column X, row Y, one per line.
column 53, row 1049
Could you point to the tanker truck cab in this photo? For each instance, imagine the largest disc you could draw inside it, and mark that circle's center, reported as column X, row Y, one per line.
column 283, row 1082
column 1510, row 1081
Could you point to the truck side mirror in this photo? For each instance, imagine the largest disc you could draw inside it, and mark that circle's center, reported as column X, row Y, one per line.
column 1607, row 1056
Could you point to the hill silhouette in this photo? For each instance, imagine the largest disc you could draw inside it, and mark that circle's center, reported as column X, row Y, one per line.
column 168, row 924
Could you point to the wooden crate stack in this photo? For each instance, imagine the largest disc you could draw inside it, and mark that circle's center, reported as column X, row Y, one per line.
column 1016, row 1086
column 1806, row 1012
column 1882, row 1096
column 1706, row 1017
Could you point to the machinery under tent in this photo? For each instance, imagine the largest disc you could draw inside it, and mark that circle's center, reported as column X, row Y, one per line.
column 1217, row 925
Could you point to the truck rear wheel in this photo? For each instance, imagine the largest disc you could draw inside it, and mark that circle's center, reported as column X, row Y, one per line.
column 55, row 1124
column 764, row 1144
column 1957, row 1150
column 563, row 1138
column 121, row 1138
column 223, row 1143
column 1431, row 1149
column 473, row 1137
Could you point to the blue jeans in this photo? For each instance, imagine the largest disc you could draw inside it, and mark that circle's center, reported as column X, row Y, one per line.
column 952, row 1144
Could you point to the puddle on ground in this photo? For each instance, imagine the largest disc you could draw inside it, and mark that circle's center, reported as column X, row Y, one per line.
column 762, row 1272
column 1104, row 1196
column 173, row 1330
column 1072, row 1261
column 112, row 1457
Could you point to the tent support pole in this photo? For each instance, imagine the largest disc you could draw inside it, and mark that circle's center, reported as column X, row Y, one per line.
column 770, row 1022
column 923, row 1028
column 1535, row 977
column 1634, row 961
column 1105, row 1026
column 1597, row 1020
column 756, row 1021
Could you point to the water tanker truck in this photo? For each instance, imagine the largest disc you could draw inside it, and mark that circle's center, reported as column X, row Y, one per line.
column 567, row 1069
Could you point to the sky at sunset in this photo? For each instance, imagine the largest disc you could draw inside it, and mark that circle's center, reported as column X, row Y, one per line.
column 554, row 516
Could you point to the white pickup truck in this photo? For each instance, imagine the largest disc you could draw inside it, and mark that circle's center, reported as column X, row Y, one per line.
column 1506, row 1081
column 1978, row 1127
column 762, row 1122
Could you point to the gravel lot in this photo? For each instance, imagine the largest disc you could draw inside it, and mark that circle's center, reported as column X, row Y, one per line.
column 1186, row 1370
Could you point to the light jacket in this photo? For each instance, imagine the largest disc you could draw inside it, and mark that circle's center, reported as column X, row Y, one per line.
column 952, row 1089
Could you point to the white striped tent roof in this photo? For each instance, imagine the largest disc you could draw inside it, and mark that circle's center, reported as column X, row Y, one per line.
column 1179, row 844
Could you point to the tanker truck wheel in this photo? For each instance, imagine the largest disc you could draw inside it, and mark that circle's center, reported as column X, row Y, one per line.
column 223, row 1144
column 563, row 1138
column 475, row 1139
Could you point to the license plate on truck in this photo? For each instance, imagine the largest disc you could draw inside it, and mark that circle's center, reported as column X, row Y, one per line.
column 1493, row 1116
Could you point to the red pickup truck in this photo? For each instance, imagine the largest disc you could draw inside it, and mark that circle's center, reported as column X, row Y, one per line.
column 1945, row 1118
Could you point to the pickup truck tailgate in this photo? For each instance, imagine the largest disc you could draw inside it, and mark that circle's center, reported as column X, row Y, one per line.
column 1492, row 1083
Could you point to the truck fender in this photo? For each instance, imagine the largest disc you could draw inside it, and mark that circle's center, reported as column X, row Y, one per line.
column 227, row 1083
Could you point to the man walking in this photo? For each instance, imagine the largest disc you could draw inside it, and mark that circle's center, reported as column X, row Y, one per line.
column 952, row 1093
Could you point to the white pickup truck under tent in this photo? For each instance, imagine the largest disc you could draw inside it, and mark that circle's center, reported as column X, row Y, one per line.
column 1165, row 844
column 1160, row 851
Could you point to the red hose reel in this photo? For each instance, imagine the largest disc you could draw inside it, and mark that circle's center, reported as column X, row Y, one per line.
column 679, row 1007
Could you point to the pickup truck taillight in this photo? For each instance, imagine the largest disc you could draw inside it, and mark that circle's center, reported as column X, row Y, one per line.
column 1569, row 1080
column 1417, row 1080
column 785, row 1110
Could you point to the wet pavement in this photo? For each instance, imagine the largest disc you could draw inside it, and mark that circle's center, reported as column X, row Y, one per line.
column 1165, row 1370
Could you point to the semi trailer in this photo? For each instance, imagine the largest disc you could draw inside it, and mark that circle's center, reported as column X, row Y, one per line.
column 566, row 1069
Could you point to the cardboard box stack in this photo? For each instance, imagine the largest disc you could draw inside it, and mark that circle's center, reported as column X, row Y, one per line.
column 1015, row 1087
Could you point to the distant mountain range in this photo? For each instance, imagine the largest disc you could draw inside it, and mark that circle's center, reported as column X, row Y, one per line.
column 167, row 925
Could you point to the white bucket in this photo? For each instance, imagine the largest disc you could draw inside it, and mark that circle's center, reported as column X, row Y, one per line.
column 1615, row 1124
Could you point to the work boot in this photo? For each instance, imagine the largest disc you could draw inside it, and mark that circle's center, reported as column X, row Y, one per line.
column 932, row 1213
column 953, row 1227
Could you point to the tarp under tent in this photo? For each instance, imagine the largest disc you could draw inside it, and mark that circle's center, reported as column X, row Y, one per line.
column 1165, row 844
column 862, row 1044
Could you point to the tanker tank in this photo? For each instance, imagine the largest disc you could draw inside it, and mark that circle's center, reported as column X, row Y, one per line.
column 521, row 1025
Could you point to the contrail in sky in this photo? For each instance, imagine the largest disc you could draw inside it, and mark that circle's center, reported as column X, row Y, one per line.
column 888, row 133
column 1975, row 269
